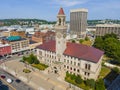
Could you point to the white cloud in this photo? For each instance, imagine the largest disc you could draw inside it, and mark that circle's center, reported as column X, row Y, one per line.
column 68, row 3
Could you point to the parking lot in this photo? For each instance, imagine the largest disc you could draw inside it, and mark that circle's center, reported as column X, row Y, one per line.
column 3, row 86
column 16, row 84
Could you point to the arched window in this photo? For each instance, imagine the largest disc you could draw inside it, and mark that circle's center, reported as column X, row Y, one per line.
column 59, row 21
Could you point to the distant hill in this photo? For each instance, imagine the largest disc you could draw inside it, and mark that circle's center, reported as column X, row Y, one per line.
column 29, row 22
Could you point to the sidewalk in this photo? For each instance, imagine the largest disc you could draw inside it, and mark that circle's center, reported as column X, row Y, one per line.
column 36, row 79
column 111, row 65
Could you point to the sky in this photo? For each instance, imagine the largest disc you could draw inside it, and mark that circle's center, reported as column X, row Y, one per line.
column 48, row 9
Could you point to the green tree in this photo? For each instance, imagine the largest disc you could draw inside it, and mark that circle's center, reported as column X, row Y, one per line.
column 30, row 60
column 100, row 85
column 73, row 41
column 86, row 38
column 67, row 74
column 99, row 43
column 81, row 40
column 24, row 58
column 33, row 59
column 111, row 47
column 73, row 76
column 116, row 70
column 110, row 44
column 112, row 35
column 90, row 82
column 78, row 80
column 36, row 61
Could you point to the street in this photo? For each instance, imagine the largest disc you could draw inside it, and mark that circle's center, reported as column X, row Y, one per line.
column 3, row 86
column 17, row 85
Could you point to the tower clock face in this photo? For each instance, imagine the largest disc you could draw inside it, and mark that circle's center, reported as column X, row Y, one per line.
column 58, row 35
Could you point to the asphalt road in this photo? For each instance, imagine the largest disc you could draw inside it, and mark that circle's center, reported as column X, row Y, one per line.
column 3, row 86
column 17, row 85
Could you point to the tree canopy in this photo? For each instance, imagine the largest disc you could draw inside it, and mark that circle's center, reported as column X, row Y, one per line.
column 32, row 59
column 100, row 85
column 110, row 45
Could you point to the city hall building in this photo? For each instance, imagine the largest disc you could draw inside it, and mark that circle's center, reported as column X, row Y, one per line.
column 63, row 56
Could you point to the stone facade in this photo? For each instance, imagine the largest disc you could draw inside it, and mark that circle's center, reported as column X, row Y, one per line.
column 86, row 69
column 62, row 57
column 102, row 29
column 78, row 22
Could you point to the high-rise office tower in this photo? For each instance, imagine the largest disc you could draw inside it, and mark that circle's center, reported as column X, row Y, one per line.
column 78, row 22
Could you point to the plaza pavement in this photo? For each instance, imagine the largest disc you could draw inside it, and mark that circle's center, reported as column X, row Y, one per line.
column 36, row 79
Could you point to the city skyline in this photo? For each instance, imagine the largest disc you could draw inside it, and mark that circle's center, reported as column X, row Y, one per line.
column 39, row 9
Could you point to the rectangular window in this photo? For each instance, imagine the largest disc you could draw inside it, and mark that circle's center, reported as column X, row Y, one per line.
column 85, row 66
column 59, row 59
column 74, row 69
column 67, row 61
column 89, row 66
column 64, row 66
column 71, row 62
column 74, row 63
column 67, row 67
column 88, row 74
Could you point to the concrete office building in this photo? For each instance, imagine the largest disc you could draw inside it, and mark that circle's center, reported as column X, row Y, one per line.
column 102, row 29
column 78, row 22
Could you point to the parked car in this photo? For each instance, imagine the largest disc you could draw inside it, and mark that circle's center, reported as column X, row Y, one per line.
column 18, row 80
column 9, row 80
column 3, row 76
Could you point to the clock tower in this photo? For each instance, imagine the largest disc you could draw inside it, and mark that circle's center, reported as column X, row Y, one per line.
column 61, row 30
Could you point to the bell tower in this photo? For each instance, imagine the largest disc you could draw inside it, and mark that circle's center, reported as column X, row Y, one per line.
column 61, row 30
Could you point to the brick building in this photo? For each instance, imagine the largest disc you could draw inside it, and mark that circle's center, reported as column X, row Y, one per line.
column 5, row 49
column 43, row 36
column 18, row 33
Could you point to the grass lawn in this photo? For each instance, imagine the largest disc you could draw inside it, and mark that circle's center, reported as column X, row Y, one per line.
column 88, row 43
column 26, row 70
column 40, row 66
column 105, row 58
column 104, row 71
column 82, row 85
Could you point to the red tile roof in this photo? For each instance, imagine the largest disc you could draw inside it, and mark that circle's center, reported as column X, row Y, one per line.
column 83, row 52
column 49, row 46
column 76, row 50
column 61, row 12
